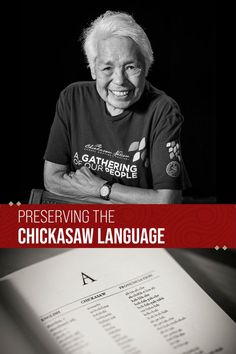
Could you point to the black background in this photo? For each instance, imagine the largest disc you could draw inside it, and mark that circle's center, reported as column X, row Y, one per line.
column 183, row 38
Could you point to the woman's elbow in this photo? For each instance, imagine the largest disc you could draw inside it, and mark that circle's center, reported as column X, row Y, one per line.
column 49, row 184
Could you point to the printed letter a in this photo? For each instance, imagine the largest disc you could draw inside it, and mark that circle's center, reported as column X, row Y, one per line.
column 85, row 276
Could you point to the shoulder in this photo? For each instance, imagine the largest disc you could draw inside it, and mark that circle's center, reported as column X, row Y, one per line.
column 78, row 89
column 163, row 105
column 159, row 97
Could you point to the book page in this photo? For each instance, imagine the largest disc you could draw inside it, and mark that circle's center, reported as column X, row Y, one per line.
column 96, row 301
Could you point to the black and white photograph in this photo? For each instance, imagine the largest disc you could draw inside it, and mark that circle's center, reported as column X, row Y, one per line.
column 121, row 103
column 73, row 138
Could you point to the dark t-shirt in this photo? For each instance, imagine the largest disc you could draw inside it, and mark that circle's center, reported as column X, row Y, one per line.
column 139, row 147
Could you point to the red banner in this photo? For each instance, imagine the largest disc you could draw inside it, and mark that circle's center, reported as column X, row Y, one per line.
column 81, row 225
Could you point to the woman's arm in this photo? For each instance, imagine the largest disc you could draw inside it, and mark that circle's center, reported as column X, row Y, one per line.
column 84, row 185
column 59, row 180
column 132, row 195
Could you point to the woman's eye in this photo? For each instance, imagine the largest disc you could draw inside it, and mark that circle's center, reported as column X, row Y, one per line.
column 130, row 67
column 107, row 68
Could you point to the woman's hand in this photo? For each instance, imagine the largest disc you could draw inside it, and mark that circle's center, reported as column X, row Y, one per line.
column 86, row 183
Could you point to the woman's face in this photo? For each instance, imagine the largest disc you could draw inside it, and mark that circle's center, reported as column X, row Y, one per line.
column 119, row 72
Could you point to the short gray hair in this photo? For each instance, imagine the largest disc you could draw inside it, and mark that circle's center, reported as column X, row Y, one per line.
column 113, row 23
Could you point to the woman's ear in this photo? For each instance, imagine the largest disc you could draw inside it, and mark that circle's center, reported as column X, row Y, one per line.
column 93, row 73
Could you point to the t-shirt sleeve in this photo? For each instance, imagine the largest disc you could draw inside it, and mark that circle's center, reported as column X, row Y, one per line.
column 167, row 166
column 58, row 146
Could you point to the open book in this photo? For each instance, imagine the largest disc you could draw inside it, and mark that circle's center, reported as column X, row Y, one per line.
column 113, row 301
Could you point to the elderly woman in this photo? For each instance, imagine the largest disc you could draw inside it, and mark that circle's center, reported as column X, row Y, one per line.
column 116, row 139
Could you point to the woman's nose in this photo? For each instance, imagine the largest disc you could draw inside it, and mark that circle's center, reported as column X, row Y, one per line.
column 119, row 76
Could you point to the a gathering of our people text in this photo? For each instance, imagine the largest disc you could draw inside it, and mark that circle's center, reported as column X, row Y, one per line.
column 116, row 139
